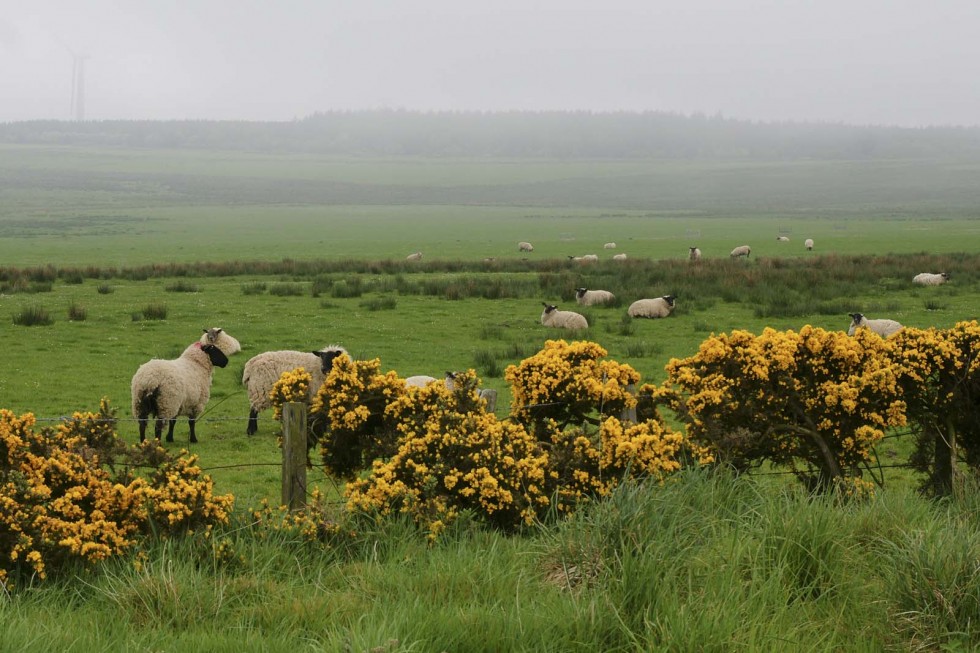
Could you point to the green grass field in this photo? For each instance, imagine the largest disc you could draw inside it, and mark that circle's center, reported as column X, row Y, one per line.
column 103, row 214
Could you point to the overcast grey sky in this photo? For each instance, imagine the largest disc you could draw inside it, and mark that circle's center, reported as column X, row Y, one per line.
column 896, row 62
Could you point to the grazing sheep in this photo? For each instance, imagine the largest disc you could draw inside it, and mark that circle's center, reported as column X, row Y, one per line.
column 619, row 257
column 525, row 247
column 587, row 297
column 741, row 250
column 168, row 388
column 552, row 317
column 609, row 246
column 882, row 327
column 808, row 243
column 782, row 239
column 414, row 256
column 422, row 380
column 263, row 370
column 652, row 308
column 930, row 279
column 695, row 254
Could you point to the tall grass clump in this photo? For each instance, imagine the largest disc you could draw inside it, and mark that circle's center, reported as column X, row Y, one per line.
column 77, row 312
column 254, row 288
column 379, row 304
column 284, row 289
column 181, row 286
column 105, row 289
column 151, row 312
column 34, row 315
column 347, row 288
column 487, row 363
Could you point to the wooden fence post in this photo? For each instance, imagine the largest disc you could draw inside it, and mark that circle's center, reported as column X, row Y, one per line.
column 490, row 397
column 294, row 455
column 629, row 414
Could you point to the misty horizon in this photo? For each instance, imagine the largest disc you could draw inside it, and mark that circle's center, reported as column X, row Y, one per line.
column 874, row 63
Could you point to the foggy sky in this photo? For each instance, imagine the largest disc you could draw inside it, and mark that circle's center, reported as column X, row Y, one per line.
column 886, row 62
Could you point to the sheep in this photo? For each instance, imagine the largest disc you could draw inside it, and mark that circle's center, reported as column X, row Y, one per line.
column 552, row 317
column 741, row 250
column 587, row 297
column 808, row 243
column 882, row 327
column 525, row 247
column 931, row 279
column 414, row 256
column 695, row 254
column 782, row 239
column 422, row 380
column 182, row 386
column 263, row 370
column 586, row 258
column 652, row 308
column 609, row 246
column 619, row 257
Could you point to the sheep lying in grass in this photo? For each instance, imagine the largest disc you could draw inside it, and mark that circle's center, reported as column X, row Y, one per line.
column 741, row 250
column 652, row 308
column 609, row 246
column 263, row 370
column 931, row 279
column 586, row 258
column 695, row 254
column 619, row 257
column 808, row 243
column 422, row 380
column 782, row 239
column 586, row 297
column 882, row 327
column 552, row 317
column 525, row 247
column 414, row 256
column 167, row 389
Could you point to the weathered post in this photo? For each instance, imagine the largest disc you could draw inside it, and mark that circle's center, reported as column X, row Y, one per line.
column 490, row 397
column 629, row 414
column 294, row 455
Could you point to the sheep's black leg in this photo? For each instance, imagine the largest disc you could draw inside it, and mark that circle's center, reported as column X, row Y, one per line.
column 190, row 423
column 142, row 422
column 170, row 429
column 158, row 428
column 253, row 422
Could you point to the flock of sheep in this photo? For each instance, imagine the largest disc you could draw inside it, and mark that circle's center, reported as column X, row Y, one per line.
column 169, row 388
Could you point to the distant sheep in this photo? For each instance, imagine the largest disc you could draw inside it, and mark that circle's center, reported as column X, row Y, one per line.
column 587, row 297
column 741, row 250
column 422, row 380
column 587, row 258
column 525, row 247
column 652, row 308
column 263, row 370
column 552, row 317
column 882, row 327
column 930, row 279
column 694, row 255
column 414, row 256
column 808, row 243
column 168, row 388
column 782, row 239
column 609, row 246
column 619, row 257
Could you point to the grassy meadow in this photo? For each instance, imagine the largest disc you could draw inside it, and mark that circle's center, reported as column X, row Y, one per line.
column 297, row 252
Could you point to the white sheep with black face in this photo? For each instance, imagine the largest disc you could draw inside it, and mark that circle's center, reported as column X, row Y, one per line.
column 740, row 251
column 695, row 254
column 552, row 317
column 586, row 297
column 808, row 243
column 422, row 380
column 883, row 327
column 931, row 278
column 656, row 307
column 168, row 388
column 262, row 371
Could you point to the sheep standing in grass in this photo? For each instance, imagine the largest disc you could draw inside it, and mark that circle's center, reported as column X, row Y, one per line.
column 263, row 370
column 652, row 308
column 882, row 327
column 586, row 297
column 931, row 279
column 552, row 317
column 525, row 247
column 695, row 254
column 808, row 243
column 168, row 388
column 741, row 250
column 414, row 256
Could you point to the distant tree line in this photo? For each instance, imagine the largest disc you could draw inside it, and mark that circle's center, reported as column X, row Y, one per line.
column 523, row 134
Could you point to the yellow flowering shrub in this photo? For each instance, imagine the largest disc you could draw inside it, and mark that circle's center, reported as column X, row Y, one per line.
column 292, row 386
column 347, row 416
column 941, row 384
column 569, row 383
column 454, row 456
column 816, row 400
column 315, row 523
column 62, row 500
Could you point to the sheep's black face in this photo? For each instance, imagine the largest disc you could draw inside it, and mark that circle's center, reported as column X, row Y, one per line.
column 217, row 356
column 326, row 359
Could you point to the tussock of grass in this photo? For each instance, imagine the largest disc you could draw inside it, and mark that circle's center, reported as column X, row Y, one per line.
column 35, row 315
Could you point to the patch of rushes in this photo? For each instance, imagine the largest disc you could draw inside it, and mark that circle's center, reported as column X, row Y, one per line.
column 487, row 364
column 105, row 289
column 254, row 288
column 77, row 312
column 34, row 315
column 287, row 289
column 151, row 312
column 379, row 304
column 181, row 286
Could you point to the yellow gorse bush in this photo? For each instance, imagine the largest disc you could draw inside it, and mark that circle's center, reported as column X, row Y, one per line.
column 61, row 498
column 816, row 400
column 292, row 386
